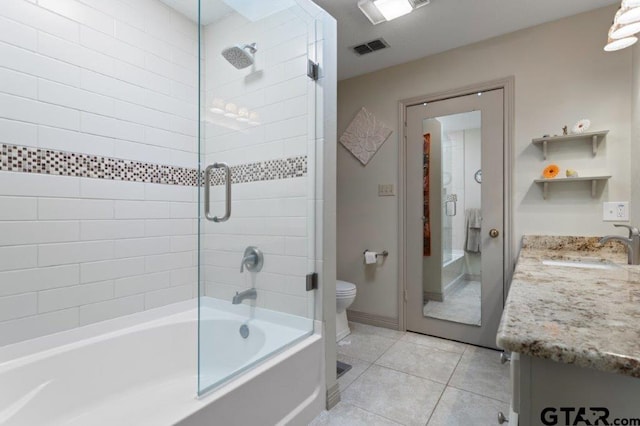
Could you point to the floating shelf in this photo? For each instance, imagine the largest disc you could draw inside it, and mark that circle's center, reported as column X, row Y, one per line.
column 594, row 180
column 593, row 137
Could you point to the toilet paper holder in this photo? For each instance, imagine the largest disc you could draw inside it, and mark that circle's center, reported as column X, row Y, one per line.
column 383, row 254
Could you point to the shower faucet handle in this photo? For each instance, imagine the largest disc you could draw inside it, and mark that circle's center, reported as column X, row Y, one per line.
column 253, row 259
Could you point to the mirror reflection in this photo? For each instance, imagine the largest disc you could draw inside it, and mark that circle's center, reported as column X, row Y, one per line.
column 452, row 273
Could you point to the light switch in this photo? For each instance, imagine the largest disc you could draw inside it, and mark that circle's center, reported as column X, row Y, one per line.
column 615, row 211
column 385, row 190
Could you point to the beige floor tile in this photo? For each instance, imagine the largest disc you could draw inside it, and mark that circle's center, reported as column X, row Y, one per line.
column 358, row 328
column 367, row 347
column 480, row 371
column 345, row 414
column 460, row 408
column 434, row 342
column 421, row 361
column 394, row 395
column 358, row 367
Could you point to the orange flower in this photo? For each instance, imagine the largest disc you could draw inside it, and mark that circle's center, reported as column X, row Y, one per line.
column 551, row 171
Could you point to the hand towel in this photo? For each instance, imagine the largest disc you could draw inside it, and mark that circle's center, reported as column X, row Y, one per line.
column 473, row 237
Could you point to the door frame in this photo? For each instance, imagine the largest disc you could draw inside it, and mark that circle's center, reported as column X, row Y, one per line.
column 508, row 85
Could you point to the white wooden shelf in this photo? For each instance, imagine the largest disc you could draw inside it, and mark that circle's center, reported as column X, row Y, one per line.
column 594, row 181
column 593, row 137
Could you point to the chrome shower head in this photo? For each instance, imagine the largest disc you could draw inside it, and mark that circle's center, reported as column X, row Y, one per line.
column 240, row 56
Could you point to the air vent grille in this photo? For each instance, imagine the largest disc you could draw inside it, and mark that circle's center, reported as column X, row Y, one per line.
column 370, row 46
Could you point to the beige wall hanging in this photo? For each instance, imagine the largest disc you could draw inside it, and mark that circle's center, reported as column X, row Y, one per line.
column 364, row 136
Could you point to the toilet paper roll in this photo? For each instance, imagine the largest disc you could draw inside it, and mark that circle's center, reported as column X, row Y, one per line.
column 370, row 257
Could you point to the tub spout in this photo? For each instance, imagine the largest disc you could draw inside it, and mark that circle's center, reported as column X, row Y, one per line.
column 251, row 294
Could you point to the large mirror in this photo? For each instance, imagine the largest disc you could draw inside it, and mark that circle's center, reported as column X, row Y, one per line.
column 454, row 294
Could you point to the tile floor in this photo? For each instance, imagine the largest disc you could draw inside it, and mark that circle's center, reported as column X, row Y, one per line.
column 402, row 378
column 461, row 304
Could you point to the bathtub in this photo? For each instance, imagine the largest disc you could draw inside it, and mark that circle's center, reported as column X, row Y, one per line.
column 143, row 370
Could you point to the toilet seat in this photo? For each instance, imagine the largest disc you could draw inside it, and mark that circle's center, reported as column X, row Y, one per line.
column 345, row 289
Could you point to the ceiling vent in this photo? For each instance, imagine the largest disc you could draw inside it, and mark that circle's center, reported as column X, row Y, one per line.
column 370, row 46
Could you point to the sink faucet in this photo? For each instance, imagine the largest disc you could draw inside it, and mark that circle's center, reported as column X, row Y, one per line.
column 251, row 294
column 632, row 243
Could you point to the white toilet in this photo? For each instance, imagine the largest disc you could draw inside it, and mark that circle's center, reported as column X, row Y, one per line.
column 345, row 295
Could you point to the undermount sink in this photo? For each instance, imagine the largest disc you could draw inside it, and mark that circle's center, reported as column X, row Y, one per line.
column 586, row 263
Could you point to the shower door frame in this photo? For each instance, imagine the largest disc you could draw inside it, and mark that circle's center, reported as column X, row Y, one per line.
column 508, row 85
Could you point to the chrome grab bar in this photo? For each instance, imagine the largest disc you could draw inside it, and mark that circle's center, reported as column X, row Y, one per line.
column 207, row 192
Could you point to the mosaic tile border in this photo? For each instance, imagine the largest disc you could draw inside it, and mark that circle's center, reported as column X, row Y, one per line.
column 25, row 159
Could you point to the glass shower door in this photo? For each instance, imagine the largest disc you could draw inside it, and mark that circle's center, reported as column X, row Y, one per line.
column 257, row 195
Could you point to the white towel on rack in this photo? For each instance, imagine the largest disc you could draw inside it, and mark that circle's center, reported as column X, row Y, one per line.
column 473, row 237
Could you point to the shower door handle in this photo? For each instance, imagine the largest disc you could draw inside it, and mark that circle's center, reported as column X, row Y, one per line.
column 207, row 192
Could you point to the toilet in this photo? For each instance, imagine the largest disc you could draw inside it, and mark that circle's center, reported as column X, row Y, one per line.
column 345, row 295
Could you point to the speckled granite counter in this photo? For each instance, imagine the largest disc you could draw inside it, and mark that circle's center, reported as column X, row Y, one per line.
column 586, row 317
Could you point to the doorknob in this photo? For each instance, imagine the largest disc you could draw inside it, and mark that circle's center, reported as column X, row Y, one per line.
column 494, row 233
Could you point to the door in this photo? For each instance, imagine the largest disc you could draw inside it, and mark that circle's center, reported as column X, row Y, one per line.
column 257, row 201
column 455, row 217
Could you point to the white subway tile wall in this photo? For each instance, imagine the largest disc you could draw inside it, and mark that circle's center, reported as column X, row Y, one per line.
column 272, row 99
column 113, row 78
column 118, row 79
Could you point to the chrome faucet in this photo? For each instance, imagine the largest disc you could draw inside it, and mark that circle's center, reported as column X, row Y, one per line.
column 250, row 294
column 632, row 243
column 252, row 259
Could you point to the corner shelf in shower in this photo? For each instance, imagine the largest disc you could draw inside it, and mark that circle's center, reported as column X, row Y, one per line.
column 594, row 181
column 593, row 137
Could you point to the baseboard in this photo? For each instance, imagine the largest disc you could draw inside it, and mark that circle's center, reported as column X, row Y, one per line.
column 473, row 277
column 429, row 295
column 373, row 319
column 333, row 396
column 449, row 287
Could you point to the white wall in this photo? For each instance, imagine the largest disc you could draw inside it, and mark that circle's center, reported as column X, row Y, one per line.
column 561, row 75
column 635, row 137
column 113, row 78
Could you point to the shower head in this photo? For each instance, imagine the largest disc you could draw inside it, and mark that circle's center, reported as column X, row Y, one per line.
column 240, row 56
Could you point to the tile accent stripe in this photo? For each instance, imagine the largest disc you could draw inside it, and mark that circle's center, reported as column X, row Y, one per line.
column 267, row 170
column 24, row 159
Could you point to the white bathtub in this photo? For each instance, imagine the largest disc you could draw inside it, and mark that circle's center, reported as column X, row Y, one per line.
column 142, row 370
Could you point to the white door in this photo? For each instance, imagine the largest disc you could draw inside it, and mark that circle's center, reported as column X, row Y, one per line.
column 455, row 217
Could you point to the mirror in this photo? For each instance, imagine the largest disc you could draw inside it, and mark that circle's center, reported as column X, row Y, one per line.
column 455, row 293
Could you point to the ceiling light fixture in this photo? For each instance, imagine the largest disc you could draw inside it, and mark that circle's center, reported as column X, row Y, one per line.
column 619, row 31
column 378, row 11
column 392, row 9
column 626, row 23
column 628, row 15
column 613, row 45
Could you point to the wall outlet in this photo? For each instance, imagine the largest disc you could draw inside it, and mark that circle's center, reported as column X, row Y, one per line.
column 385, row 190
column 615, row 211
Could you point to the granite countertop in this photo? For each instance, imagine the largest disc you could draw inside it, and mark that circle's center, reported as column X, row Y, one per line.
column 586, row 317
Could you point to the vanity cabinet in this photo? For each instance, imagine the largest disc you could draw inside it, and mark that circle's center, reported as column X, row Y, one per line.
column 546, row 392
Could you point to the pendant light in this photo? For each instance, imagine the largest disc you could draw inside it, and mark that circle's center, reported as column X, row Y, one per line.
column 619, row 31
column 628, row 4
column 613, row 45
column 628, row 15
